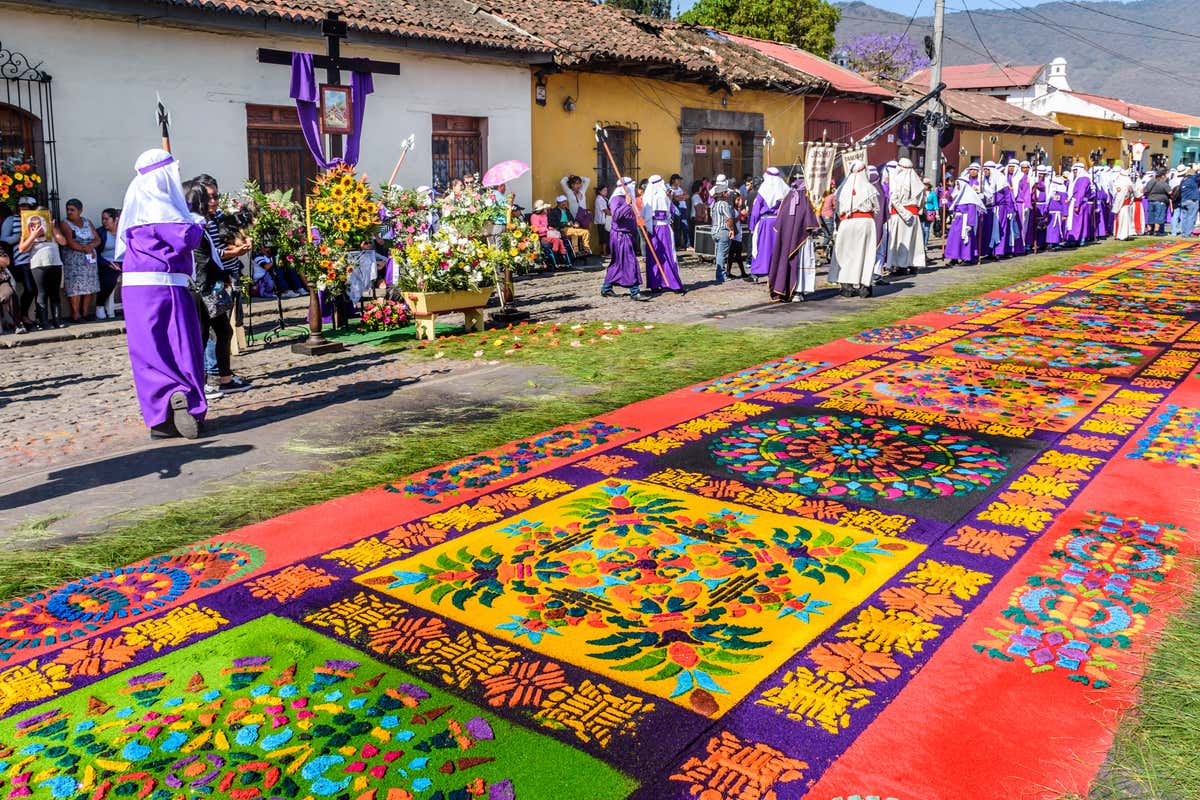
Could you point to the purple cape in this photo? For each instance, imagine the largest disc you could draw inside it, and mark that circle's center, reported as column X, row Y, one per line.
column 623, row 271
column 965, row 215
column 663, row 239
column 762, row 234
column 161, row 324
column 793, row 225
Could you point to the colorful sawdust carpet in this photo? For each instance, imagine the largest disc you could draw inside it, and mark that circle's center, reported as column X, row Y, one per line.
column 815, row 578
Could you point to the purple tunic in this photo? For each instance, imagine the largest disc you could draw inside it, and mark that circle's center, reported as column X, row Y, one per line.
column 1104, row 212
column 1011, row 242
column 1056, row 218
column 762, row 228
column 965, row 215
column 623, row 271
column 663, row 239
column 1081, row 199
column 161, row 323
column 795, row 222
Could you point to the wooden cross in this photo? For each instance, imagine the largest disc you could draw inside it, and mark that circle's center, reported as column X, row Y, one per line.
column 334, row 29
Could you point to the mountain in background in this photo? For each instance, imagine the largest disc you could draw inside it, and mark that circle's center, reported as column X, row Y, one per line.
column 1104, row 55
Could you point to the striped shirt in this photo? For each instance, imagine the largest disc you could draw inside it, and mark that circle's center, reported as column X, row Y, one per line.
column 722, row 212
column 213, row 229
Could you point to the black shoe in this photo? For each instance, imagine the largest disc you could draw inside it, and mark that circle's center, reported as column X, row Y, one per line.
column 234, row 384
column 608, row 293
column 680, row 291
column 164, row 431
column 184, row 422
column 641, row 298
column 847, row 292
column 865, row 291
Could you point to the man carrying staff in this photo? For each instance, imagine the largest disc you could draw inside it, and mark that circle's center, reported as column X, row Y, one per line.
column 623, row 269
column 155, row 241
column 854, row 247
column 905, row 241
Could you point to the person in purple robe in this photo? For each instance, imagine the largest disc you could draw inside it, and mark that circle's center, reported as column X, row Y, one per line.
column 1022, row 184
column 792, row 273
column 1079, row 206
column 763, row 213
column 989, row 234
column 1056, row 211
column 1008, row 222
column 155, row 240
column 662, row 273
column 623, row 268
column 1102, row 202
column 966, row 210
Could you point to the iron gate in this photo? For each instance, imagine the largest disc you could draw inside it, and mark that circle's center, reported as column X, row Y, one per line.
column 27, row 119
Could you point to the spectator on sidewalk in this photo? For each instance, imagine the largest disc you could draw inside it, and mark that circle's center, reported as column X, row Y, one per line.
column 723, row 227
column 1189, row 202
column 45, row 260
column 562, row 220
column 1158, row 195
column 81, row 276
column 10, row 234
column 110, row 270
column 8, row 292
column 271, row 280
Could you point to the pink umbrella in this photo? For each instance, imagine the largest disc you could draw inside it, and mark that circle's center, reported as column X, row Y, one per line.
column 505, row 172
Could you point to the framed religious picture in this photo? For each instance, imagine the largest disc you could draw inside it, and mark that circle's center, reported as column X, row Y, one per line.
column 336, row 109
column 43, row 219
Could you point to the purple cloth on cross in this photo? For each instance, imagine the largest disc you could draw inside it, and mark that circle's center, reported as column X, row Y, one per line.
column 306, row 92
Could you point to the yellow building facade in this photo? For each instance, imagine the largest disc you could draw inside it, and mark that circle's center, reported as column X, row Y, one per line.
column 656, row 127
column 1087, row 135
column 974, row 142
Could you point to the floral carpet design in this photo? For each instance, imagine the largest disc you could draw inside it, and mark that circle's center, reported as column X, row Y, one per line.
column 809, row 577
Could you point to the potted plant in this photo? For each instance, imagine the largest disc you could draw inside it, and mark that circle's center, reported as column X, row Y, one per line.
column 445, row 272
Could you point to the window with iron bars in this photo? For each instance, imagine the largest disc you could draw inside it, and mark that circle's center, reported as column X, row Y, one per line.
column 623, row 142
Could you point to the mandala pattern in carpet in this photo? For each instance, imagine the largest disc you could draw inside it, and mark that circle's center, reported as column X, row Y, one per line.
column 682, row 597
column 763, row 377
column 1131, row 304
column 1153, row 283
column 1101, row 326
column 969, row 394
column 863, row 458
column 1047, row 351
column 79, row 608
column 978, row 305
column 890, row 334
column 1085, row 604
column 1174, row 438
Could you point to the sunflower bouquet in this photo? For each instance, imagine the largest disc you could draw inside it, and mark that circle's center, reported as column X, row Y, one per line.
column 343, row 215
column 18, row 179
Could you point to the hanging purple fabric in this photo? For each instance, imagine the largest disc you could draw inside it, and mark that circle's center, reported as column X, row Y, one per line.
column 306, row 93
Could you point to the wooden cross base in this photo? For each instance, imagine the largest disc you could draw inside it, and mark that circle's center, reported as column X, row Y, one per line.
column 310, row 348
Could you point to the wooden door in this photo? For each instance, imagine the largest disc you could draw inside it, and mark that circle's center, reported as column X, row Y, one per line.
column 278, row 156
column 718, row 152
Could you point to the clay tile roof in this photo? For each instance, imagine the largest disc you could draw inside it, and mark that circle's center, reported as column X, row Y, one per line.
column 460, row 22
column 840, row 79
column 586, row 35
column 1144, row 116
column 982, row 111
column 982, row 76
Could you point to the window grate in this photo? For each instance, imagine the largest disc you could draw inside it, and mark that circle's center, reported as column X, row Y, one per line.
column 623, row 141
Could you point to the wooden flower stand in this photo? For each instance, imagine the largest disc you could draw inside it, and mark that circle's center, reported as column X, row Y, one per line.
column 427, row 306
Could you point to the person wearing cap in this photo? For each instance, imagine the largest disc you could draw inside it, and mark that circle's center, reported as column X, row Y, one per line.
column 623, row 268
column 905, row 239
column 662, row 270
column 10, row 234
column 723, row 226
column 854, row 247
column 562, row 220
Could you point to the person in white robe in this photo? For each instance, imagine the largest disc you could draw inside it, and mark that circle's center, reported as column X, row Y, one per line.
column 905, row 241
column 1123, row 199
column 855, row 243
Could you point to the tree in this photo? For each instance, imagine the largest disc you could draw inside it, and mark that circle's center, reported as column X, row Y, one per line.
column 655, row 8
column 891, row 55
column 808, row 24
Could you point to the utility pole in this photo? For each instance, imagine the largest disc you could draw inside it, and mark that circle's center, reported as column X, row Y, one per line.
column 932, row 131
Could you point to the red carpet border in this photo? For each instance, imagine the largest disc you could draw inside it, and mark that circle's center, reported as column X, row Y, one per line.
column 923, row 562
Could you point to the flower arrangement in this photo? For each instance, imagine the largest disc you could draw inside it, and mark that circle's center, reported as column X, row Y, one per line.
column 517, row 249
column 18, row 179
column 405, row 212
column 446, row 262
column 343, row 215
column 470, row 208
column 383, row 315
column 278, row 222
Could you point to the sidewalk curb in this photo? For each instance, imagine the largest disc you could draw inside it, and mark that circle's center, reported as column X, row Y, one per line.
column 68, row 334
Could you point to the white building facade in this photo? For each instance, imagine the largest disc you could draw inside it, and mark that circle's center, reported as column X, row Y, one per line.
column 468, row 106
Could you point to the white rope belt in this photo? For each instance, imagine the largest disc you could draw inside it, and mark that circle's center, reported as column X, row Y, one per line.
column 155, row 279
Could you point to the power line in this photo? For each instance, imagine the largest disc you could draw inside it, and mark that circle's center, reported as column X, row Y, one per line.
column 1131, row 21
column 1114, row 53
column 980, row 38
column 916, row 11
